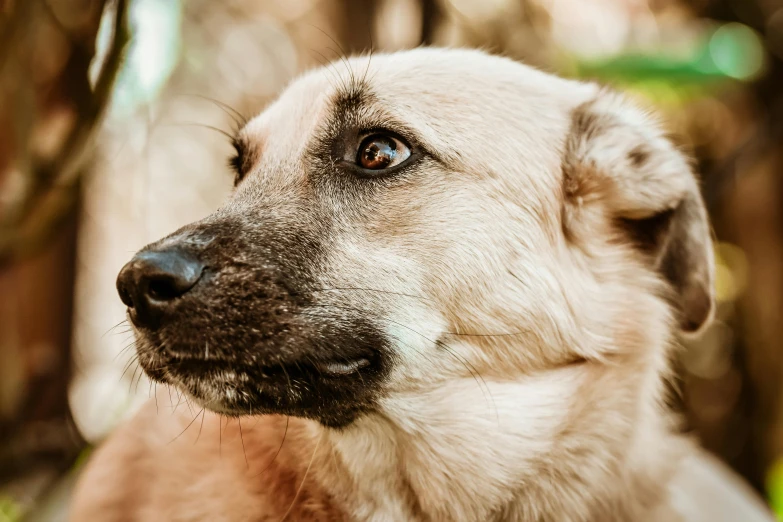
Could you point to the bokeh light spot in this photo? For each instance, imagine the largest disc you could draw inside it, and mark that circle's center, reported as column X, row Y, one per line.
column 737, row 51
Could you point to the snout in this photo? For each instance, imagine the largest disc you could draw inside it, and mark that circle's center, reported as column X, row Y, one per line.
column 229, row 312
column 151, row 283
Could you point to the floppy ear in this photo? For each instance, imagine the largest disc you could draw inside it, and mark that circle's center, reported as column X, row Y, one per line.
column 618, row 161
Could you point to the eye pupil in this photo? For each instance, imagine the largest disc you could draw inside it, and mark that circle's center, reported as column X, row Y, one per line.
column 377, row 152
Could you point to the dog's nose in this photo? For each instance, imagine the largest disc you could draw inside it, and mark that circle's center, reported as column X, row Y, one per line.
column 153, row 280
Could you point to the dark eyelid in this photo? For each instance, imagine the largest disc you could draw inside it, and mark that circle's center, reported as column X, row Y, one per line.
column 353, row 138
column 369, row 131
column 403, row 133
column 365, row 132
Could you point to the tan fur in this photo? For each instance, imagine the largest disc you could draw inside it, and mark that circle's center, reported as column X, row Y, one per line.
column 532, row 335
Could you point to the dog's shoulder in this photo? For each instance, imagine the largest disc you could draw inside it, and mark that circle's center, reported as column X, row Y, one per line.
column 113, row 484
column 193, row 465
column 705, row 489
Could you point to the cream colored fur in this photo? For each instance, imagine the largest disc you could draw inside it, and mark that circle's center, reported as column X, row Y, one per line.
column 532, row 336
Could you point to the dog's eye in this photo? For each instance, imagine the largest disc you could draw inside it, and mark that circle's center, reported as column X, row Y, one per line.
column 381, row 151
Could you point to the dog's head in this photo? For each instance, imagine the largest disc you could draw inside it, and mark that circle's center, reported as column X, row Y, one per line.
column 403, row 220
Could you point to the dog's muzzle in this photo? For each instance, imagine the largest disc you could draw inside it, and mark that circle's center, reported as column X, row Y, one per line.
column 229, row 312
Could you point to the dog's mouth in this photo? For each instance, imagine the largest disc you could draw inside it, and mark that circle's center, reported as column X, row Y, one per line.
column 243, row 327
column 329, row 386
column 204, row 368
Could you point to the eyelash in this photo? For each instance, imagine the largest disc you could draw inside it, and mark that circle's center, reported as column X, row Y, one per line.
column 236, row 162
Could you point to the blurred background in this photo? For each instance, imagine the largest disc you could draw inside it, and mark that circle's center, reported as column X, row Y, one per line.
column 112, row 114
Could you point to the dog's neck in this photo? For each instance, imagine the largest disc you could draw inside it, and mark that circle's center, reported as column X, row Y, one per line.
column 501, row 450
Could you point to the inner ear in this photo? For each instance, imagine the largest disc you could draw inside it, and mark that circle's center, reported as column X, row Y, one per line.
column 687, row 262
column 649, row 234
column 672, row 241
column 619, row 164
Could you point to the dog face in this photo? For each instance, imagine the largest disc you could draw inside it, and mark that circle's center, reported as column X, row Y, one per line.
column 407, row 220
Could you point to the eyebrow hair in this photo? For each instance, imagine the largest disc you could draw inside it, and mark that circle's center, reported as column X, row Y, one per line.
column 350, row 96
column 241, row 159
column 348, row 105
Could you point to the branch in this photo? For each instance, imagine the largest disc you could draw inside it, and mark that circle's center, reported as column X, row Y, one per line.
column 49, row 176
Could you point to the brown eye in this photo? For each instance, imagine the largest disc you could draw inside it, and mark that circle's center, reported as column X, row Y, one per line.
column 380, row 151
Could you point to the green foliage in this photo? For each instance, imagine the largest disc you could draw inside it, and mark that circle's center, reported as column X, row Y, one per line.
column 775, row 488
column 9, row 510
column 726, row 55
column 82, row 459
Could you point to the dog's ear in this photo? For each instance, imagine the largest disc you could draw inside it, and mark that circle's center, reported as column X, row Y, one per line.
column 619, row 165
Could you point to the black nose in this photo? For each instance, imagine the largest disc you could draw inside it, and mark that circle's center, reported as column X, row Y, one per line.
column 152, row 280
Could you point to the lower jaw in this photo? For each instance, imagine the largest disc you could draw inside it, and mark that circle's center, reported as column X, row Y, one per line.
column 212, row 396
column 335, row 420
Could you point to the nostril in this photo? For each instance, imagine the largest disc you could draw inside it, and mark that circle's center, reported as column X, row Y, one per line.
column 165, row 288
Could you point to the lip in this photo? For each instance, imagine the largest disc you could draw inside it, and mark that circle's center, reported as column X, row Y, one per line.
column 326, row 390
column 343, row 368
column 332, row 390
column 132, row 316
column 330, row 369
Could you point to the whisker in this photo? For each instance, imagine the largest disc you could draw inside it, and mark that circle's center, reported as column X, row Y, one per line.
column 240, row 120
column 138, row 381
column 345, row 62
column 504, row 334
column 132, row 379
column 113, row 327
column 361, row 377
column 285, row 433
column 333, row 452
column 179, row 400
column 470, row 368
column 456, row 334
column 325, row 62
column 313, row 363
column 195, row 124
column 369, row 58
column 304, row 478
column 242, row 438
column 186, row 427
column 125, row 349
column 282, row 367
column 341, row 57
column 203, row 416
column 474, row 373
column 128, row 365
column 375, row 290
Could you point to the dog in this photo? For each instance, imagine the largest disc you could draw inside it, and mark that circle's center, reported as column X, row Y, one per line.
column 447, row 287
